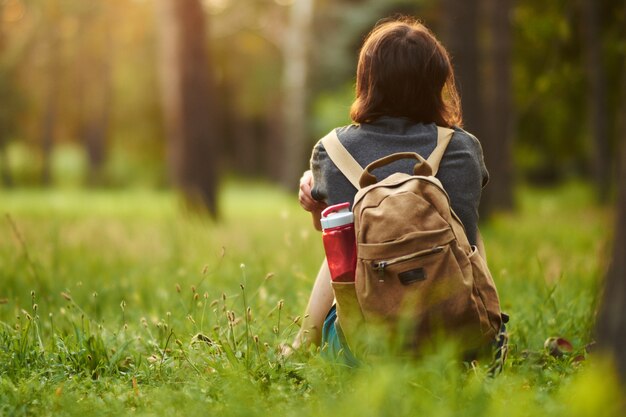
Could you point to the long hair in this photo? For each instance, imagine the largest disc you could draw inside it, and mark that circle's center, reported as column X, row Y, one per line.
column 404, row 71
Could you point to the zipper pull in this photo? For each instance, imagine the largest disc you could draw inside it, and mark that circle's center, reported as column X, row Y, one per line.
column 437, row 249
column 380, row 267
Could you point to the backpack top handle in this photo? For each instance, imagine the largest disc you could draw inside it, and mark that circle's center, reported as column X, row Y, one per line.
column 421, row 167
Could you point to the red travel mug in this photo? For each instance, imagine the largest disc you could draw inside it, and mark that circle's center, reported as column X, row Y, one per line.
column 339, row 242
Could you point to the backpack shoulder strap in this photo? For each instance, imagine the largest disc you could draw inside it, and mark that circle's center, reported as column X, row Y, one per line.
column 443, row 139
column 351, row 168
column 342, row 158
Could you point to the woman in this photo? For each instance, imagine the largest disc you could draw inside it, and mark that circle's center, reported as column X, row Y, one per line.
column 404, row 89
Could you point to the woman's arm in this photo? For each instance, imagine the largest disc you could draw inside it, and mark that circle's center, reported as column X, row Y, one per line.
column 306, row 199
column 320, row 302
column 322, row 297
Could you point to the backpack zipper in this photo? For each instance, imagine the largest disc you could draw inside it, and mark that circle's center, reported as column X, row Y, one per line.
column 380, row 266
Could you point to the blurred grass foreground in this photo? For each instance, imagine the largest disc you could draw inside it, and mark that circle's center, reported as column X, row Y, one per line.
column 119, row 302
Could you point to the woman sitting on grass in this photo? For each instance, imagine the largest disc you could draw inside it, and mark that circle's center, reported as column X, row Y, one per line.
column 405, row 88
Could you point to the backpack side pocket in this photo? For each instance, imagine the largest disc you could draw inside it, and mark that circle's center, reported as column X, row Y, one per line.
column 349, row 314
column 487, row 294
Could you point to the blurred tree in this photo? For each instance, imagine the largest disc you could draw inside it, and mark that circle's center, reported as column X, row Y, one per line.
column 596, row 97
column 460, row 27
column 5, row 116
column 478, row 35
column 248, row 57
column 5, row 173
column 497, row 110
column 52, row 86
column 296, row 47
column 189, row 101
column 611, row 324
column 552, row 135
column 94, row 84
column 554, row 119
column 135, row 151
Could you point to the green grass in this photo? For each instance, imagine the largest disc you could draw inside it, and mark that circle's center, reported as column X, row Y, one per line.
column 123, row 303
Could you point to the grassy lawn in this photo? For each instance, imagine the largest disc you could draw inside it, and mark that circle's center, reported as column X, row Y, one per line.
column 123, row 303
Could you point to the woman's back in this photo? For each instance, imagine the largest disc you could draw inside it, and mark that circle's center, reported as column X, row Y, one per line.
column 462, row 171
column 405, row 87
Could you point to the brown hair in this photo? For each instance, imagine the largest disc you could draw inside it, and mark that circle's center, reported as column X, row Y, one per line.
column 404, row 71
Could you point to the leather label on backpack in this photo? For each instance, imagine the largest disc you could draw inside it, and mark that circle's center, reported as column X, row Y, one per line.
column 414, row 275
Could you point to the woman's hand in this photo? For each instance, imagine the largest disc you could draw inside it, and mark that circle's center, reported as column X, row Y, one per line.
column 308, row 202
column 304, row 195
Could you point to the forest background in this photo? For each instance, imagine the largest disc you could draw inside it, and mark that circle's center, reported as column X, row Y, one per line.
column 109, row 109
column 85, row 85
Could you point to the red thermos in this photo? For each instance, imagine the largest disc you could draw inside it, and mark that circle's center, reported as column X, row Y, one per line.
column 339, row 242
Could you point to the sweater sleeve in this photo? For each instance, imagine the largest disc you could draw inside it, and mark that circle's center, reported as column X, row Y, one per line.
column 477, row 151
column 319, row 191
column 463, row 175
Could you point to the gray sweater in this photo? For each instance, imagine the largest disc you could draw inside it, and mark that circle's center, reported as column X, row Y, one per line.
column 462, row 171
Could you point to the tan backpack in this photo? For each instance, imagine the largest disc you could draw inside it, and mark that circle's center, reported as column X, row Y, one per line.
column 417, row 275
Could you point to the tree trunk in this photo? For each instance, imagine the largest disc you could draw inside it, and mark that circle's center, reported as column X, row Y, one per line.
column 52, row 90
column 295, row 53
column 460, row 34
column 611, row 324
column 246, row 143
column 95, row 85
column 189, row 101
column 597, row 98
column 50, row 114
column 5, row 172
column 272, row 147
column 498, row 110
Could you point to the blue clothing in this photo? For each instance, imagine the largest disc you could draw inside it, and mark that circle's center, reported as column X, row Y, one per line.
column 334, row 345
column 335, row 348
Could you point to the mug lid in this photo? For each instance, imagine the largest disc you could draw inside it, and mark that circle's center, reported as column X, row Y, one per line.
column 336, row 215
